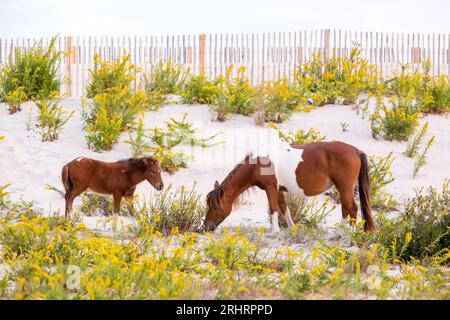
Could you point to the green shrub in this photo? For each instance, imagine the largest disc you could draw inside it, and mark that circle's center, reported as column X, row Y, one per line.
column 123, row 102
column 436, row 98
column 306, row 212
column 220, row 107
column 397, row 122
column 107, row 76
column 111, row 92
column 276, row 101
column 354, row 76
column 240, row 93
column 51, row 119
column 20, row 238
column 180, row 209
column 34, row 69
column 104, row 131
column 165, row 78
column 326, row 81
column 170, row 160
column 93, row 204
column 422, row 229
column 200, row 90
column 15, row 98
column 301, row 136
column 232, row 95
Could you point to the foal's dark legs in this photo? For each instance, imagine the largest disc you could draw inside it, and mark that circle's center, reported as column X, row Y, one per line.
column 129, row 197
column 70, row 196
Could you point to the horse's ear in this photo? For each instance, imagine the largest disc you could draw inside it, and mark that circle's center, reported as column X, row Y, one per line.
column 149, row 161
column 216, row 184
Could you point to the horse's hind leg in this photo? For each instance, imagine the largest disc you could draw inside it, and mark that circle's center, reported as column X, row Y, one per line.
column 70, row 196
column 285, row 209
column 349, row 206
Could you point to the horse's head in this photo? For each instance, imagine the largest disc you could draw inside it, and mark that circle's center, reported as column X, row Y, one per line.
column 218, row 210
column 153, row 173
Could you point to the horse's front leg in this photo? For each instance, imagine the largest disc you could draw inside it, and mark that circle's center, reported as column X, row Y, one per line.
column 272, row 197
column 129, row 198
column 117, row 199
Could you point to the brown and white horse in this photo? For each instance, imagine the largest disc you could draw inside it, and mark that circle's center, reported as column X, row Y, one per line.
column 299, row 169
column 117, row 178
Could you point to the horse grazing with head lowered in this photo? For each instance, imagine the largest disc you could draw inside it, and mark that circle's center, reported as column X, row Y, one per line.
column 299, row 169
column 118, row 179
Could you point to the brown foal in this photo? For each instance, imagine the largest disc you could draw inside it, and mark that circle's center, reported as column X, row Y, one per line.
column 117, row 178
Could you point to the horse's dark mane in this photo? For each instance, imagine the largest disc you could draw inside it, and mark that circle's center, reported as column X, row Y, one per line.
column 138, row 163
column 214, row 196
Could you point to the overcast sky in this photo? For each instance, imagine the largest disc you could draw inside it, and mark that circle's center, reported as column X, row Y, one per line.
column 31, row 18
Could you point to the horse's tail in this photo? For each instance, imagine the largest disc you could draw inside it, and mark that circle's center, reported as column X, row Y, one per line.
column 66, row 179
column 364, row 196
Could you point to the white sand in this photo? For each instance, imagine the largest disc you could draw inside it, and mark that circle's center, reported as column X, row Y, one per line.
column 28, row 164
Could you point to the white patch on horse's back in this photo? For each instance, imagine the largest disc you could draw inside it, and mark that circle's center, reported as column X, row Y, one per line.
column 288, row 161
column 285, row 161
column 79, row 158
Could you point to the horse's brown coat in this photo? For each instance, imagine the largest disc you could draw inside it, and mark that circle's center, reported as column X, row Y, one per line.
column 110, row 178
column 322, row 164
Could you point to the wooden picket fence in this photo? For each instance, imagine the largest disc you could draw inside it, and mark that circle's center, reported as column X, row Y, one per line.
column 266, row 56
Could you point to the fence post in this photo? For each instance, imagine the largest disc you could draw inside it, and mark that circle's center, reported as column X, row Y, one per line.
column 68, row 66
column 326, row 44
column 202, row 53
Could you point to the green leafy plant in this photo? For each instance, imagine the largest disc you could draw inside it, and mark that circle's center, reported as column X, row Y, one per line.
column 34, row 69
column 380, row 175
column 165, row 78
column 107, row 76
column 344, row 126
column 422, row 229
column 309, row 214
column 276, row 101
column 397, row 122
column 184, row 131
column 105, row 131
column 51, row 119
column 301, row 136
column 113, row 99
column 199, row 89
column 169, row 159
column 421, row 157
column 15, row 98
column 232, row 95
column 137, row 140
column 93, row 205
column 330, row 80
column 415, row 143
column 178, row 209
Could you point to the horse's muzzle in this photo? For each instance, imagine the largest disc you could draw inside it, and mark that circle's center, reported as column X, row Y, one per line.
column 160, row 186
column 208, row 228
